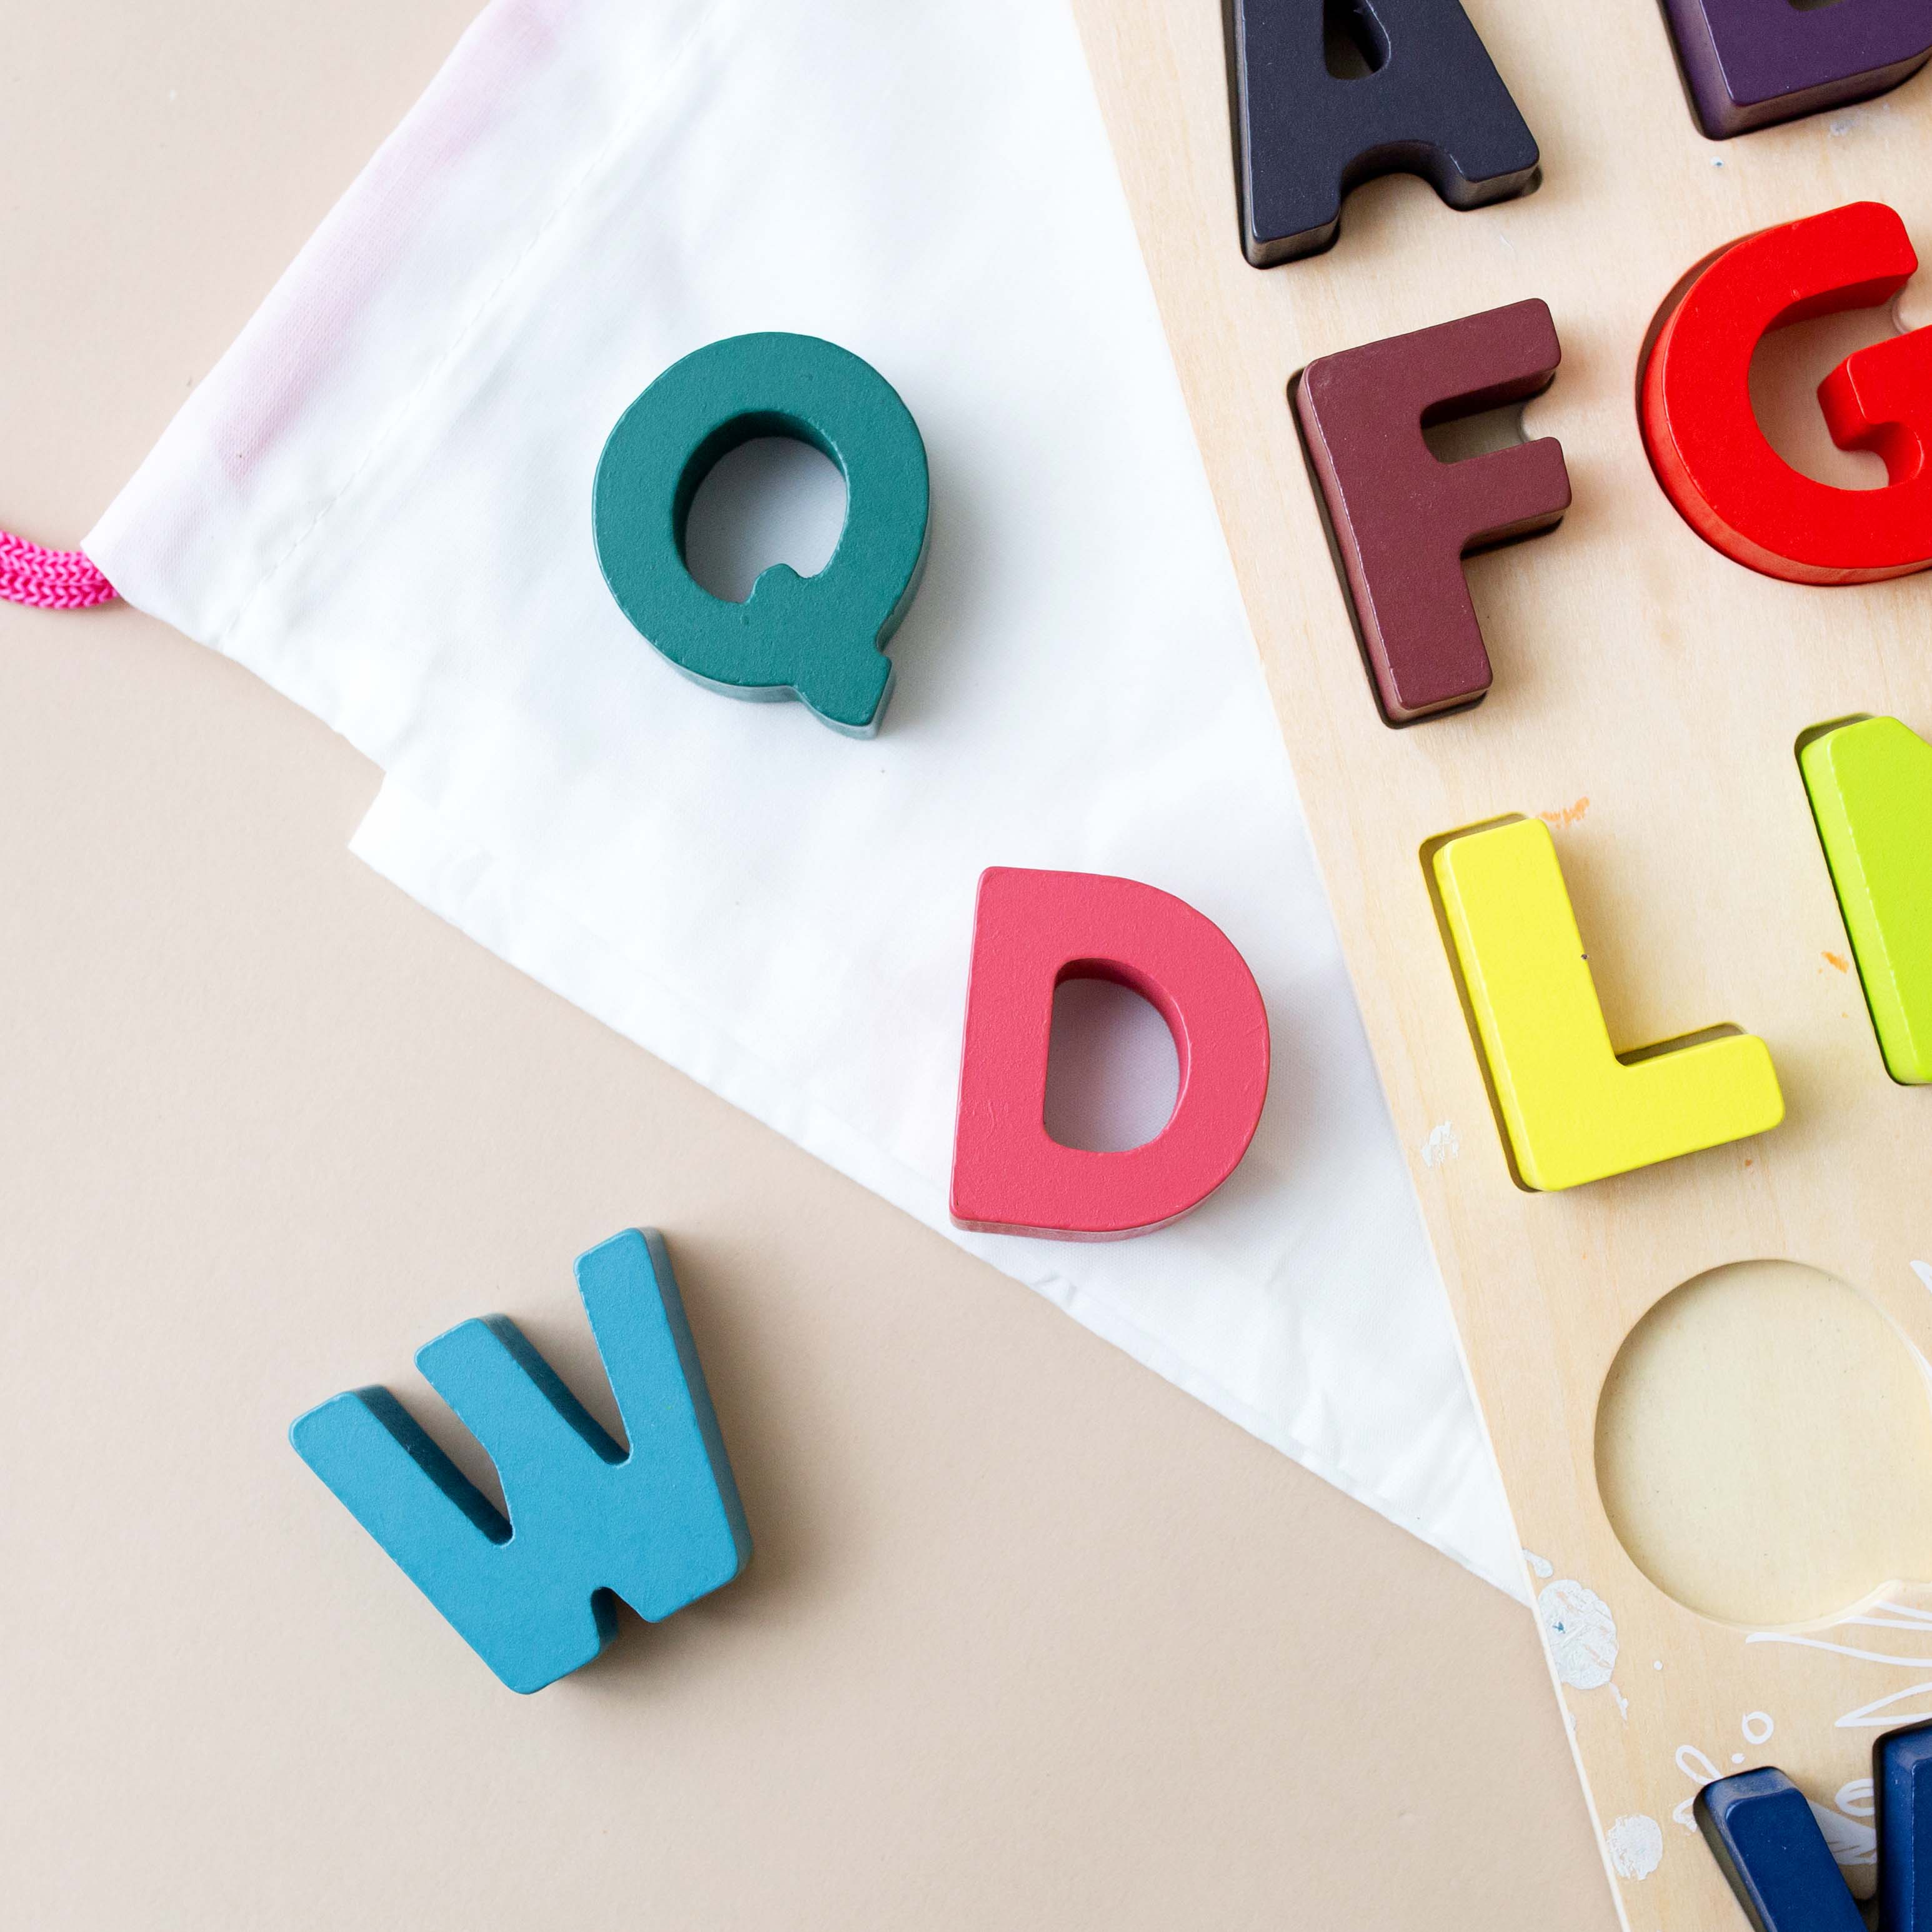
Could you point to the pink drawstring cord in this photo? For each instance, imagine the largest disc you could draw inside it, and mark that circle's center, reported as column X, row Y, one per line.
column 49, row 579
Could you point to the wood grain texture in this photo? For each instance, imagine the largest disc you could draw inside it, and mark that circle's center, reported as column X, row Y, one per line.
column 1648, row 695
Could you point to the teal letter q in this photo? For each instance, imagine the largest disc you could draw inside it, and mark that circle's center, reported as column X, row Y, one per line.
column 821, row 639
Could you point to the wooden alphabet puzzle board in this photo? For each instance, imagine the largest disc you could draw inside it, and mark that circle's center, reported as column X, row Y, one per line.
column 1649, row 696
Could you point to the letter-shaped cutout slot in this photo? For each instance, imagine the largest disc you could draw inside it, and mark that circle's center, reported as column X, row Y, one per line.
column 1402, row 519
column 1870, row 782
column 1749, row 64
column 1032, row 930
column 659, row 1526
column 1707, row 448
column 1572, row 1109
column 1419, row 96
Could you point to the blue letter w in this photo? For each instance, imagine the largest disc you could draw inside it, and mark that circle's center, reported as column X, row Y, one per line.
column 1762, row 1832
column 659, row 1527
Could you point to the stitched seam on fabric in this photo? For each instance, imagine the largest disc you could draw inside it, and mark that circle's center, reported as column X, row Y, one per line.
column 486, row 303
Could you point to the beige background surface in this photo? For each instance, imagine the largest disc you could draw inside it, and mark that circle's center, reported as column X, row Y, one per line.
column 1031, row 1640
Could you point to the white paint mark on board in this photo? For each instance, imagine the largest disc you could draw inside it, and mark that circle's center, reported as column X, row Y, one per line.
column 1636, row 1846
column 1581, row 1633
column 1758, row 1727
column 1698, row 1768
column 1541, row 1565
column 1854, row 118
column 1442, row 1146
column 1857, row 1798
column 1903, row 1624
column 1923, row 1270
column 1851, row 1843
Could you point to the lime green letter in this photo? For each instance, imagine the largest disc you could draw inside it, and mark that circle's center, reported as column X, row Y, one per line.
column 1870, row 783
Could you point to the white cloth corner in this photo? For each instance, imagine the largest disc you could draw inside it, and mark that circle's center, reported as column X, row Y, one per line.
column 380, row 502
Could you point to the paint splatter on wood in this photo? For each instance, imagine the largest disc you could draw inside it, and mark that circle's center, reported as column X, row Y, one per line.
column 1636, row 1846
column 1580, row 1632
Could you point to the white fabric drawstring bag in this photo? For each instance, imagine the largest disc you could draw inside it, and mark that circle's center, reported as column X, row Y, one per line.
column 380, row 501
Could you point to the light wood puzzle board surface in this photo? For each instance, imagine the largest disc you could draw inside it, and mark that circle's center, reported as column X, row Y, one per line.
column 1648, row 695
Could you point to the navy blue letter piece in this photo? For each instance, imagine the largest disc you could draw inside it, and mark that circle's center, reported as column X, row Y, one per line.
column 1424, row 99
column 1760, row 1828
column 1902, row 1783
